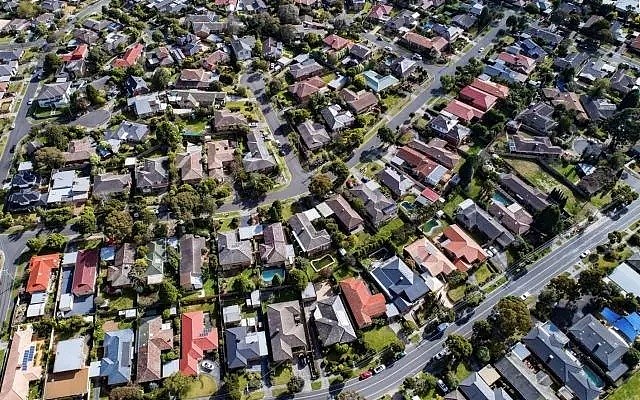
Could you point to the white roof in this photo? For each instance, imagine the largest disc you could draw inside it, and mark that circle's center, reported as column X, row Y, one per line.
column 312, row 214
column 36, row 310
column 324, row 209
column 69, row 258
column 626, row 278
column 25, row 166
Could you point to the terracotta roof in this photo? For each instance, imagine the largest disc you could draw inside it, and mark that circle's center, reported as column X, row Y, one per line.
column 130, row 57
column 337, row 42
column 465, row 250
column 84, row 274
column 363, row 305
column 380, row 11
column 197, row 338
column 429, row 257
column 67, row 384
column 79, row 53
column 430, row 195
column 40, row 272
column 478, row 98
column 518, row 61
column 493, row 88
column 463, row 111
column 307, row 88
column 153, row 338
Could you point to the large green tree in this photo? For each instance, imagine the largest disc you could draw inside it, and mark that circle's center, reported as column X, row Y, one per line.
column 320, row 185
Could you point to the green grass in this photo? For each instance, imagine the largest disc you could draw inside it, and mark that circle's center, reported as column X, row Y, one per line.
column 630, row 390
column 204, row 385
column 123, row 302
column 452, row 204
column 343, row 272
column 316, row 385
column 196, row 126
column 496, row 284
column 456, row 294
column 323, row 262
column 257, row 395
column 462, row 371
column 482, row 274
column 209, row 290
column 277, row 392
column 379, row 338
column 282, row 375
column 247, row 108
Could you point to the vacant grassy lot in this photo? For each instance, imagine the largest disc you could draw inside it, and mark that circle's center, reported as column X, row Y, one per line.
column 379, row 338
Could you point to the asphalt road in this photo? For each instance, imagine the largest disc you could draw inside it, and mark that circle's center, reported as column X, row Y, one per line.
column 12, row 246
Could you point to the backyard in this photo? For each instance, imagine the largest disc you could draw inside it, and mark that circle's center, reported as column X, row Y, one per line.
column 630, row 390
column 323, row 262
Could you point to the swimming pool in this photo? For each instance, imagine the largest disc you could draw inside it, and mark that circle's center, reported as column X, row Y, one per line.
column 269, row 274
column 500, row 198
column 428, row 227
column 593, row 377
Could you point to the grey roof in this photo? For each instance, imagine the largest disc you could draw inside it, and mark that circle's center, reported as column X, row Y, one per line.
column 70, row 355
column 244, row 346
column 548, row 343
column 529, row 385
column 129, row 131
column 118, row 352
column 109, row 183
column 286, row 330
column 332, row 322
column 472, row 216
column 531, row 196
column 118, row 273
column 573, row 60
column 313, row 134
column 53, row 90
column 336, row 118
column 349, row 218
column 538, row 118
column 598, row 109
column 152, row 173
column 622, row 82
column 399, row 183
column 360, row 51
column 399, row 283
column 379, row 207
column 258, row 158
column 604, row 346
column 274, row 248
column 304, row 69
column 155, row 258
column 191, row 260
column 475, row 388
column 232, row 251
column 308, row 238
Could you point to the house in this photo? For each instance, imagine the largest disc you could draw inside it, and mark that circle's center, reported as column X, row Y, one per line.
column 85, row 272
column 227, row 121
column 70, row 375
column 160, row 57
column 462, row 248
column 360, row 52
column 598, row 108
column 189, row 163
column 286, row 330
column 437, row 151
column 127, row 131
column 626, row 278
column 275, row 250
column 11, row 55
column 518, row 62
column 573, row 60
column 513, row 216
column 604, row 346
column 199, row 336
column 399, row 183
column 85, row 35
column 499, row 69
column 465, row 21
column 258, row 158
column 547, row 36
column 377, row 82
column 447, row 127
column 364, row 306
column 474, row 218
column 68, row 187
column 538, row 146
column 155, row 262
column 244, row 346
column 305, row 69
column 272, row 49
column 152, row 175
column 220, row 155
column 242, row 48
column 336, row 118
column 232, row 252
column 538, row 119
column 154, row 337
column 622, row 82
column 476, row 388
column 130, row 57
column 332, row 322
column 549, row 345
column 448, row 32
column 21, row 365
column 359, row 102
column 304, row 90
column 403, row 21
column 310, row 240
column 118, row 273
column 54, row 95
column 379, row 208
column 530, row 196
column 25, row 179
column 192, row 249
column 380, row 12
column 146, row 105
column 522, row 378
column 463, row 111
column 477, row 98
column 107, row 184
column 218, row 57
column 402, row 67
column 118, row 355
column 427, row 170
column 492, row 88
column 80, row 151
column 428, row 196
column 40, row 269
column 401, row 285
column 424, row 45
column 135, row 86
column 568, row 100
column 336, row 43
column 24, row 199
column 595, row 69
column 194, row 79
column 429, row 258
column 313, row 135
column 348, row 218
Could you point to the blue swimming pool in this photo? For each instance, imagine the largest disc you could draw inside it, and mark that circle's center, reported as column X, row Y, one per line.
column 500, row 198
column 268, row 274
column 593, row 377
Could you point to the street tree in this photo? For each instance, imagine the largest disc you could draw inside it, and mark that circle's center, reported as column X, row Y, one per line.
column 511, row 316
column 461, row 349
column 87, row 223
column 387, row 135
column 161, row 78
column 320, row 185
column 177, row 384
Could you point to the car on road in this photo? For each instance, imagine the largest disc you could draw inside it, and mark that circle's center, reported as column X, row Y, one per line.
column 443, row 327
column 12, row 149
column 525, row 296
column 442, row 353
column 489, row 252
column 585, row 254
column 379, row 369
column 481, row 49
column 366, row 375
column 30, row 102
column 388, row 48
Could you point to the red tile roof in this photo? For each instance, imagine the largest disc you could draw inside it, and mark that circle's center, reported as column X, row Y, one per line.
column 130, row 57
column 518, row 61
column 429, row 257
column 477, row 98
column 363, row 305
column 337, row 42
column 493, row 88
column 465, row 250
column 40, row 272
column 84, row 274
column 305, row 89
column 79, row 53
column 196, row 340
column 422, row 165
column 463, row 111
column 430, row 195
column 380, row 11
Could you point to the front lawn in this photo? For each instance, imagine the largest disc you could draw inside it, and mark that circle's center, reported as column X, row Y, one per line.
column 462, row 371
column 282, row 375
column 456, row 294
column 379, row 338
column 630, row 390
column 482, row 274
column 203, row 386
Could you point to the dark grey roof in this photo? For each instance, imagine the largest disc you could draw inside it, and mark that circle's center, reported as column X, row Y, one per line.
column 538, row 118
column 523, row 380
column 531, row 196
column 232, row 251
column 399, row 183
column 598, row 109
column 258, row 158
column 573, row 60
column 332, row 322
column 25, row 179
column 475, row 388
column 313, row 134
column 191, row 260
column 244, row 346
column 109, row 183
column 471, row 216
column 286, row 330
column 399, row 283
column 379, row 207
column 308, row 238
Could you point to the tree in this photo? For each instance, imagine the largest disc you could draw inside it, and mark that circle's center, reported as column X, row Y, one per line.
column 547, row 298
column 590, row 281
column 27, row 9
column 459, row 346
column 350, row 395
column 387, row 135
column 623, row 194
column 566, row 287
column 511, row 316
column 630, row 100
column 169, row 294
column 259, row 184
column 547, row 221
column 126, row 393
column 298, row 278
column 295, row 384
column 320, row 185
column 51, row 63
column 467, row 170
column 288, row 14
column 483, row 355
column 95, row 96
column 56, row 242
column 161, row 78
column 177, row 384
column 243, row 284
column 624, row 127
column 118, row 225
column 87, row 223
column 168, row 134
column 457, row 278
column 35, row 244
column 512, row 22
column 448, row 83
column 631, row 357
column 48, row 158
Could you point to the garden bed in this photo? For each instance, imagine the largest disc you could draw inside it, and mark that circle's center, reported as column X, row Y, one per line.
column 323, row 262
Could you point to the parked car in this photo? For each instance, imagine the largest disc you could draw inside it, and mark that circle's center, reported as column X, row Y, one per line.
column 388, row 48
column 207, row 365
column 585, row 254
column 379, row 369
column 399, row 355
column 525, row 295
column 365, row 375
column 417, row 57
column 443, row 327
column 442, row 387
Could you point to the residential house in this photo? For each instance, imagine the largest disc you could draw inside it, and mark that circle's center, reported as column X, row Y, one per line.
column 499, row 69
column 465, row 21
column 424, row 45
column 130, row 57
column 429, row 258
column 573, row 60
column 604, row 346
column 549, row 345
column 463, row 111
column 286, row 330
column 152, row 175
column 11, row 55
column 8, row 71
column 192, row 249
column 127, row 131
column 244, row 347
column 220, row 155
column 40, row 269
column 447, row 126
column 397, row 182
column 335, row 43
column 68, row 187
column 476, row 388
column 85, row 272
column 513, row 216
column 160, row 57
column 493, row 88
column 538, row 119
column 474, row 218
column 304, row 90
column 227, row 121
column 379, row 208
column 258, row 157
column 380, row 12
column 80, row 151
column 118, row 273
column 419, row 164
column 154, row 337
column 135, row 86
column 598, row 108
column 449, row 32
column 189, row 164
column 313, row 135
column 146, row 105
column 155, row 262
column 25, row 179
column 22, row 365
column 336, row 118
column 522, row 378
column 218, row 57
column 400, row 284
column 242, row 48
column 310, row 240
column 359, row 102
column 402, row 67
column 360, row 52
column 70, row 375
column 623, row 83
column 596, row 69
column 25, row 199
column 85, row 36
column 54, row 95
column 364, row 306
column 569, row 100
column 272, row 49
column 305, row 69
column 403, row 21
column 233, row 252
column 275, row 251
column 118, row 355
column 199, row 336
column 462, row 248
column 518, row 62
column 545, row 35
column 538, row 146
column 437, row 151
column 477, row 98
column 194, row 79
column 107, row 184
column 332, row 322
column 524, row 193
column 347, row 217
column 377, row 82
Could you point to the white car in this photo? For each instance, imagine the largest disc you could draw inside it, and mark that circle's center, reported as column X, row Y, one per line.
column 493, row 250
column 207, row 365
column 481, row 49
column 30, row 102
column 388, row 48
column 489, row 252
column 379, row 369
column 525, row 296
column 585, row 254
column 417, row 57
